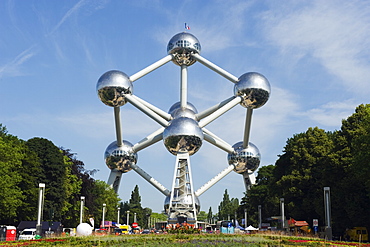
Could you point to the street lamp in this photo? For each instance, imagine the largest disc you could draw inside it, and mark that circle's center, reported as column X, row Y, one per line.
column 282, row 213
column 118, row 209
column 82, row 208
column 134, row 217
column 245, row 218
column 103, row 218
column 128, row 217
column 259, row 216
column 40, row 209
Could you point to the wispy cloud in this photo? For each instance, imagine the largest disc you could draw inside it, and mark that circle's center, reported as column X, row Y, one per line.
column 13, row 68
column 70, row 12
column 336, row 35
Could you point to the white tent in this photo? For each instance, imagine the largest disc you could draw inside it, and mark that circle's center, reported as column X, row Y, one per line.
column 251, row 228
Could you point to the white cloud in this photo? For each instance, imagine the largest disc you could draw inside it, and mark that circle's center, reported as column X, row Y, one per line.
column 334, row 34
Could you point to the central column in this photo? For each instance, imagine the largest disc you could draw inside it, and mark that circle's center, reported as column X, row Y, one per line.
column 183, row 203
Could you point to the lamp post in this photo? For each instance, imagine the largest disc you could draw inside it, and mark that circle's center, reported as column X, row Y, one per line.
column 245, row 218
column 259, row 216
column 82, row 208
column 40, row 208
column 103, row 218
column 327, row 206
column 134, row 217
column 282, row 213
column 118, row 209
column 128, row 217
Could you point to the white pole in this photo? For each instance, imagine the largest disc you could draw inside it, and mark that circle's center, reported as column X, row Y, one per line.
column 245, row 218
column 134, row 217
column 259, row 216
column 128, row 217
column 282, row 213
column 103, row 218
column 118, row 211
column 82, row 208
column 184, row 86
column 40, row 209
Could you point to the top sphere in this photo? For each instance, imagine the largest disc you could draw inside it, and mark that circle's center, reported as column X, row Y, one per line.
column 254, row 88
column 182, row 45
column 112, row 86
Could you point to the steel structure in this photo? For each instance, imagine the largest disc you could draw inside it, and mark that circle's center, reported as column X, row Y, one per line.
column 182, row 129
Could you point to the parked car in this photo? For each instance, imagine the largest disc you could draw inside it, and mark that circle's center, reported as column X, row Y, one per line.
column 27, row 234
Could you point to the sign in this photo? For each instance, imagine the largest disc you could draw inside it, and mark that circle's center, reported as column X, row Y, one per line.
column 315, row 222
column 134, row 225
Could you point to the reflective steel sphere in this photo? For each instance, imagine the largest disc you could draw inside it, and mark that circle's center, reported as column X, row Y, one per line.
column 183, row 135
column 112, row 86
column 182, row 45
column 184, row 199
column 254, row 88
column 177, row 106
column 176, row 111
column 120, row 158
column 244, row 159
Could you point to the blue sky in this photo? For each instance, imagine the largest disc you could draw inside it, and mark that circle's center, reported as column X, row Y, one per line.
column 314, row 53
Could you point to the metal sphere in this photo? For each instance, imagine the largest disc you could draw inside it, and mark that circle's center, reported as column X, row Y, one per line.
column 183, row 135
column 254, row 88
column 184, row 199
column 182, row 45
column 177, row 106
column 177, row 111
column 120, row 158
column 112, row 86
column 244, row 159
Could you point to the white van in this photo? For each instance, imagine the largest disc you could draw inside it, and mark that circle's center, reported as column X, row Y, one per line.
column 27, row 234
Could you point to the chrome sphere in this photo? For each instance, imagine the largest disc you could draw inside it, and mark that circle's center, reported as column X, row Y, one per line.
column 182, row 45
column 184, row 199
column 183, row 135
column 176, row 111
column 177, row 106
column 112, row 86
column 244, row 159
column 254, row 88
column 120, row 158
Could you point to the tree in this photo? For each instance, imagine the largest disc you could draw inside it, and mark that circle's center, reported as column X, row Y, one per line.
column 53, row 174
column 227, row 207
column 11, row 156
column 210, row 215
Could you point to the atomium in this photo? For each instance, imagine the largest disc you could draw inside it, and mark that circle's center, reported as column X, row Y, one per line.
column 182, row 128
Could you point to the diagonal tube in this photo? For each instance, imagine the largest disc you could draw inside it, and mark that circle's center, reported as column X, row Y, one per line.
column 247, row 128
column 214, row 180
column 146, row 110
column 150, row 179
column 220, row 111
column 150, row 68
column 155, row 137
column 215, row 68
column 160, row 112
column 217, row 141
column 212, row 109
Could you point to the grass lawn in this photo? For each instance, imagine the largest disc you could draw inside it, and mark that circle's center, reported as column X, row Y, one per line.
column 165, row 240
